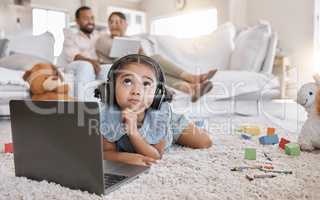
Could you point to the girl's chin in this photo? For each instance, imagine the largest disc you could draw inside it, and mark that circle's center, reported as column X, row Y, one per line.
column 115, row 34
column 136, row 108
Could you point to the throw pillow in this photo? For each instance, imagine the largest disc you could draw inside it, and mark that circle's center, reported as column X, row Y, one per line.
column 251, row 48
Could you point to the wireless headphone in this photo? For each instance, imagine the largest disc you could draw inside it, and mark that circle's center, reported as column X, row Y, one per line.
column 106, row 91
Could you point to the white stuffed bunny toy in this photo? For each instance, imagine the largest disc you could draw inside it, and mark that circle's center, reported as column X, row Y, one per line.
column 309, row 98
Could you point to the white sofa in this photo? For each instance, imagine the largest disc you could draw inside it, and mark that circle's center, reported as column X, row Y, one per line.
column 244, row 58
column 22, row 53
column 219, row 50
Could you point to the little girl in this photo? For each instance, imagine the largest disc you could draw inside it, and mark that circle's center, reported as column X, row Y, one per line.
column 136, row 119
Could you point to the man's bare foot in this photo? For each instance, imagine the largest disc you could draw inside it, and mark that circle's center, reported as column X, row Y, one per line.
column 199, row 78
column 201, row 89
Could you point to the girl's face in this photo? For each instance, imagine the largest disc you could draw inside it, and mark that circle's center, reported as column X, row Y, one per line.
column 117, row 26
column 135, row 87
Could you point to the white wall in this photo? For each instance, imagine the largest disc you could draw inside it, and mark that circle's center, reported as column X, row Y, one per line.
column 159, row 8
column 103, row 6
column 98, row 6
column 8, row 19
column 238, row 12
column 293, row 20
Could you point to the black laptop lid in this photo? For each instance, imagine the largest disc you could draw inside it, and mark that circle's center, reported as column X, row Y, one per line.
column 58, row 142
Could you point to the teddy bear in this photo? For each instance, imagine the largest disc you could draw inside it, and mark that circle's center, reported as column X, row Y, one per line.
column 46, row 83
column 309, row 98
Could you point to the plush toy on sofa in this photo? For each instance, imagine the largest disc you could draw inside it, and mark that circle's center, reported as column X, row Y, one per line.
column 309, row 98
column 45, row 82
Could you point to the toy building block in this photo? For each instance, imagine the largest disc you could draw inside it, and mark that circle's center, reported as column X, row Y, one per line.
column 292, row 149
column 245, row 137
column 6, row 148
column 250, row 154
column 252, row 130
column 283, row 143
column 269, row 140
column 271, row 131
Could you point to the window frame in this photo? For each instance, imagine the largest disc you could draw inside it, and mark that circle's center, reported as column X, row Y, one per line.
column 54, row 9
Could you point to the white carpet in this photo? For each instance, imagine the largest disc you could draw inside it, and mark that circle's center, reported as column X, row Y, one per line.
column 192, row 174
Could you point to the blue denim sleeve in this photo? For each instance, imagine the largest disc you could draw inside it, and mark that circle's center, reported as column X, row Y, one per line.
column 110, row 124
column 157, row 128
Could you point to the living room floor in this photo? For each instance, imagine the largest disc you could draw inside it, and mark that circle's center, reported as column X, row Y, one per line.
column 184, row 173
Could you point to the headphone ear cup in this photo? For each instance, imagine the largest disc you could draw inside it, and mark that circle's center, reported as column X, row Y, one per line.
column 108, row 94
column 102, row 92
column 158, row 97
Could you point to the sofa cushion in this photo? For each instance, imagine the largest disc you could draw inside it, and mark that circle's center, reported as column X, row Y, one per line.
column 12, row 77
column 20, row 61
column 14, row 88
column 201, row 53
column 250, row 48
column 41, row 46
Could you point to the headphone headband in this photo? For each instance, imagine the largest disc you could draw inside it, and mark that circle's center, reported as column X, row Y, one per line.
column 106, row 91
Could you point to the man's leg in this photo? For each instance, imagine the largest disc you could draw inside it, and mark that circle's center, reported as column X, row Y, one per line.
column 83, row 75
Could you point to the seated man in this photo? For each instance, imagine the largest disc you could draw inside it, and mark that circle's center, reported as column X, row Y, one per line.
column 79, row 55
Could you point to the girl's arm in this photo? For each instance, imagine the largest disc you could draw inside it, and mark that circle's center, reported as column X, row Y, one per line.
column 130, row 118
column 110, row 153
column 142, row 147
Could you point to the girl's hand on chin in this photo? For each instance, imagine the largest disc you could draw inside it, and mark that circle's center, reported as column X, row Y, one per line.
column 129, row 118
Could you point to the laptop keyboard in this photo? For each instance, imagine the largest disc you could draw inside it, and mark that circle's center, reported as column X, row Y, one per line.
column 111, row 179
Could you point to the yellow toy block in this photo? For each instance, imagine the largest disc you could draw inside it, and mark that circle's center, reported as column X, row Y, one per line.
column 252, row 130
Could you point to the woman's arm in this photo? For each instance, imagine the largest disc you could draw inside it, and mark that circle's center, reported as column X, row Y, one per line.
column 110, row 153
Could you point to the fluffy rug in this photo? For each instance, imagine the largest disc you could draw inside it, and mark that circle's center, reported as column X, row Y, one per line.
column 192, row 174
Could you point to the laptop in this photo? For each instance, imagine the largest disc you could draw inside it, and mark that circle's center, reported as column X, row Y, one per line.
column 122, row 46
column 60, row 142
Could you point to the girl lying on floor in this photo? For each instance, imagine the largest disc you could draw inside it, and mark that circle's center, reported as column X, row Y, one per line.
column 136, row 119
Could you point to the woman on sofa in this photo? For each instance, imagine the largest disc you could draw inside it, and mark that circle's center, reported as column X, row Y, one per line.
column 195, row 85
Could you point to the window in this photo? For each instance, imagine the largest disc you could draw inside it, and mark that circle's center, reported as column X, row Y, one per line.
column 186, row 25
column 52, row 21
column 136, row 19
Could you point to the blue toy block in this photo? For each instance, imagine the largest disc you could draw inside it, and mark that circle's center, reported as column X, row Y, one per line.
column 269, row 139
column 246, row 137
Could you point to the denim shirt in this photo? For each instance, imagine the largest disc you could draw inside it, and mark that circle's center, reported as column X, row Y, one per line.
column 155, row 127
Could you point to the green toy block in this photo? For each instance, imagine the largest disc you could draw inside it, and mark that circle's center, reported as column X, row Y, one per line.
column 250, row 154
column 292, row 149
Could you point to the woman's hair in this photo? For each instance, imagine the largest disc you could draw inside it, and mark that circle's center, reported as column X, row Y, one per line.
column 119, row 14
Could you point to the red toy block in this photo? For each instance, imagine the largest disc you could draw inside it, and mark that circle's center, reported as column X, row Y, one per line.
column 271, row 131
column 283, row 143
column 8, row 148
